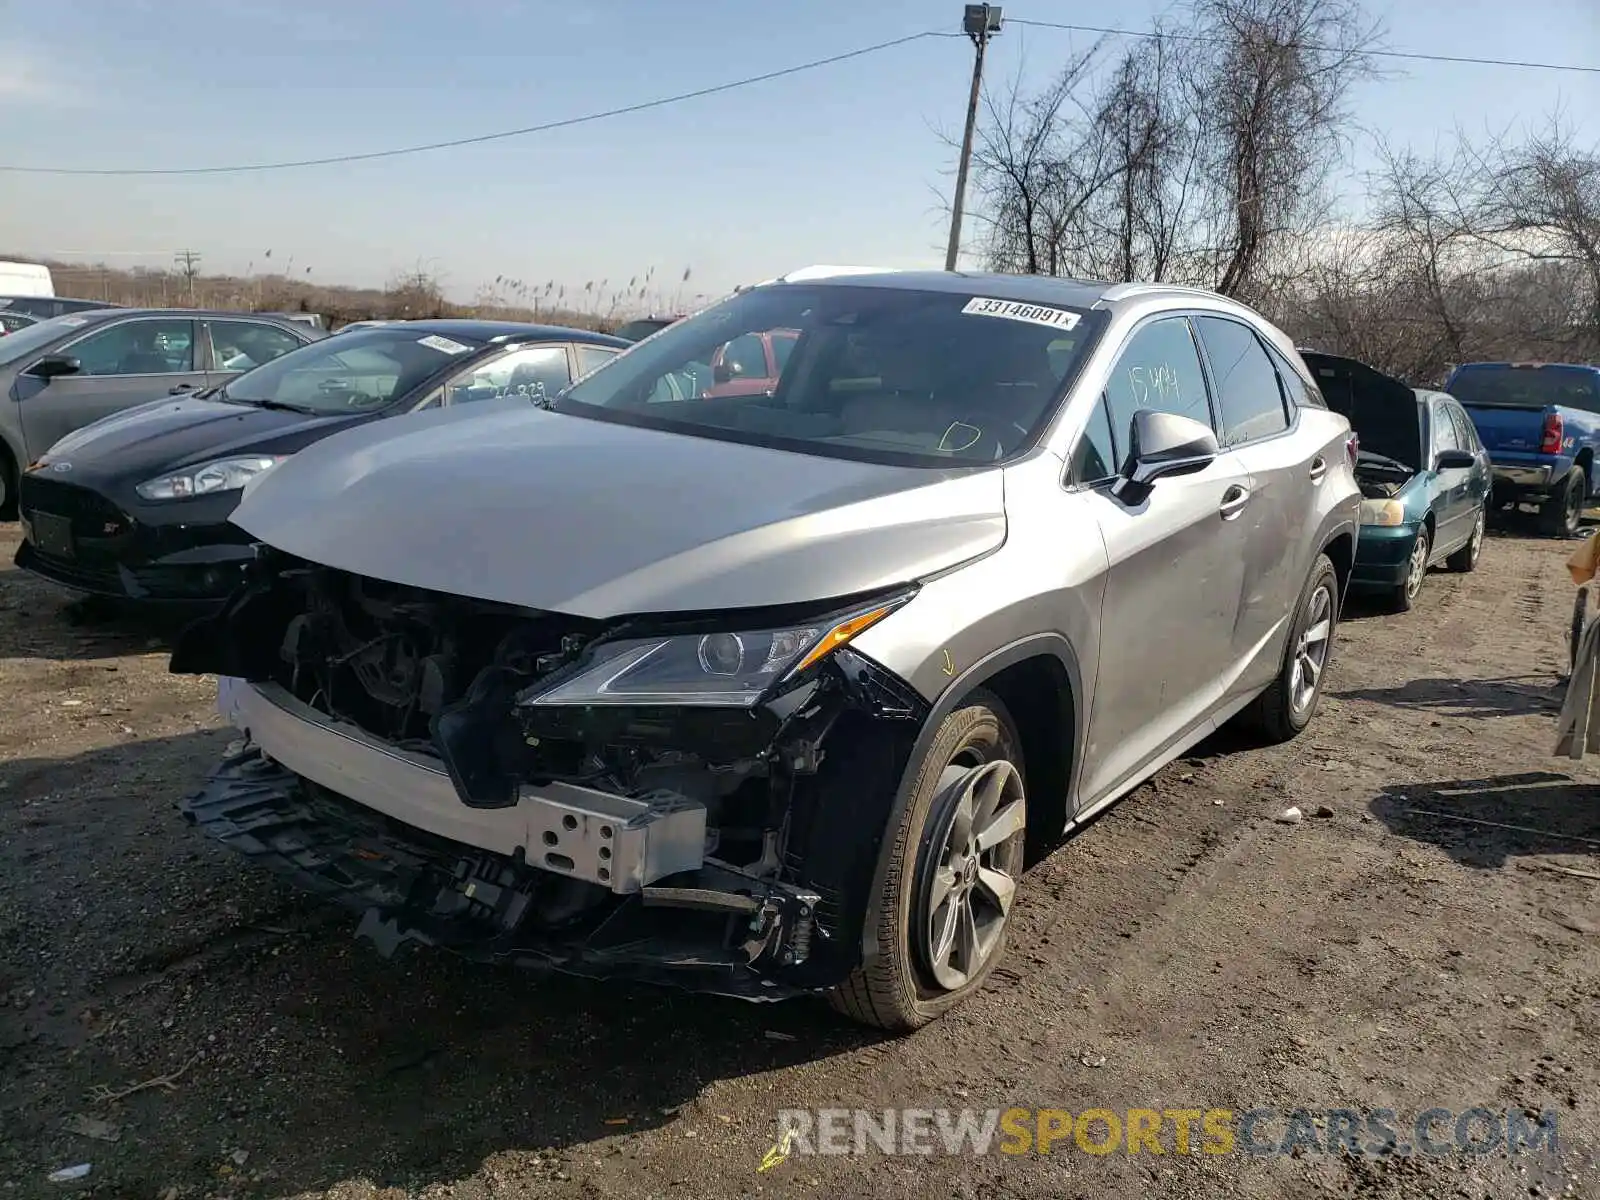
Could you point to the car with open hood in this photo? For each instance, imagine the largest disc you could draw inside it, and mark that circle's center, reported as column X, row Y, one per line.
column 1425, row 477
column 137, row 506
column 772, row 693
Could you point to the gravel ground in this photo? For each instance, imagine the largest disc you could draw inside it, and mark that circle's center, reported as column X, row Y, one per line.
column 1186, row 950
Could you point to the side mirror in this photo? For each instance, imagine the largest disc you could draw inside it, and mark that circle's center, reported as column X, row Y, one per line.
column 53, row 366
column 1454, row 460
column 725, row 372
column 1163, row 444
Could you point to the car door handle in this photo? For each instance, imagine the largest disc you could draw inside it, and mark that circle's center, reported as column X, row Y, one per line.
column 179, row 389
column 1233, row 501
column 1319, row 468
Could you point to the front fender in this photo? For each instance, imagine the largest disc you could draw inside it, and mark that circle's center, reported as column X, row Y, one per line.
column 961, row 686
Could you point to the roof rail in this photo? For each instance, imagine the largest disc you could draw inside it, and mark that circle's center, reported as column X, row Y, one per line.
column 828, row 271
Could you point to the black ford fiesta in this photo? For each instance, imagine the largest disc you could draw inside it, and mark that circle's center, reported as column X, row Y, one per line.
column 136, row 506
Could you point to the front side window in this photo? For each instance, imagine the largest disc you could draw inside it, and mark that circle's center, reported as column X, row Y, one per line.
column 745, row 358
column 357, row 371
column 1444, row 430
column 882, row 374
column 1095, row 458
column 1249, row 399
column 1466, row 435
column 534, row 373
column 1158, row 369
column 241, row 345
column 161, row 347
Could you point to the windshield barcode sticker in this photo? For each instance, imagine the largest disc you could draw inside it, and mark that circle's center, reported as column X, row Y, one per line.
column 1015, row 310
column 442, row 344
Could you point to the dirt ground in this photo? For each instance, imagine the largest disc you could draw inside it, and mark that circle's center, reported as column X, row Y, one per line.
column 1187, row 950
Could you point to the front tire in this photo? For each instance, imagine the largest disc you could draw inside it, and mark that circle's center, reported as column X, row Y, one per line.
column 1404, row 597
column 955, row 860
column 1288, row 705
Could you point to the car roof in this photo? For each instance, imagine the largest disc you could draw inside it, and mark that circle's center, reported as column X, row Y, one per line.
column 1037, row 289
column 106, row 314
column 1029, row 289
column 511, row 331
column 1538, row 364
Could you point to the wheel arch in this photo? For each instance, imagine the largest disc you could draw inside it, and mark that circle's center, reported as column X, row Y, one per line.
column 1341, row 552
column 10, row 477
column 1039, row 680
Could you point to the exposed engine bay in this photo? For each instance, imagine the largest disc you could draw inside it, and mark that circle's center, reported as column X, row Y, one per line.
column 1380, row 483
column 727, row 848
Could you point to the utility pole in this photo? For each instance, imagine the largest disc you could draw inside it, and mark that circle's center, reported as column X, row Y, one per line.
column 980, row 22
column 188, row 264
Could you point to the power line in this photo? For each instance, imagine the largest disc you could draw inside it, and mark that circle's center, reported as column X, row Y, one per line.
column 715, row 89
column 1414, row 56
column 478, row 139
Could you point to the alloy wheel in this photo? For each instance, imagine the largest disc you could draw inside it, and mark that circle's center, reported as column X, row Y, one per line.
column 967, row 894
column 1417, row 569
column 1477, row 538
column 1311, row 653
column 1574, row 512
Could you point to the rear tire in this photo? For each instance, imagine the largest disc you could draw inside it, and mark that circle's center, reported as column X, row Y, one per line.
column 1288, row 705
column 976, row 758
column 8, row 485
column 1466, row 558
column 1559, row 514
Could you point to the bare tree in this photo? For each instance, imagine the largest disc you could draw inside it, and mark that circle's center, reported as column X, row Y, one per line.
column 1193, row 156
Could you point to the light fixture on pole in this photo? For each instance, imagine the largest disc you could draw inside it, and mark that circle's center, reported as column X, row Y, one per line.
column 980, row 22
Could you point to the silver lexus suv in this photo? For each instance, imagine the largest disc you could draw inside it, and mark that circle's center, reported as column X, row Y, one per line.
column 762, row 660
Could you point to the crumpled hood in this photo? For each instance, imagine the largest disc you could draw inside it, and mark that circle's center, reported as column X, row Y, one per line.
column 504, row 502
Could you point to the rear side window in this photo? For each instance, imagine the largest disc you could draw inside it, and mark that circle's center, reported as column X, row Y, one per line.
column 1249, row 399
column 1296, row 390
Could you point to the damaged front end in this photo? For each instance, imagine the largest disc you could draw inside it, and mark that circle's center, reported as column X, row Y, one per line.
column 689, row 801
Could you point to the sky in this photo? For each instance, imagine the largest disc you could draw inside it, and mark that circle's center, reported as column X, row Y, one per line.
column 843, row 164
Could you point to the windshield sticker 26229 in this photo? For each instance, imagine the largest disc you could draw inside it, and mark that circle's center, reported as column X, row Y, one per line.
column 1015, row 310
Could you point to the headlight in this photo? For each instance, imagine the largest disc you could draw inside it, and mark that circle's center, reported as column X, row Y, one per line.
column 224, row 475
column 1383, row 512
column 722, row 669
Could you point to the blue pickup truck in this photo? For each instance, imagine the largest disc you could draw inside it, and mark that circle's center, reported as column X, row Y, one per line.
column 1540, row 423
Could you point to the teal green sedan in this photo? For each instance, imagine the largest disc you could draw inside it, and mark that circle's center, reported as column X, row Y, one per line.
column 1423, row 473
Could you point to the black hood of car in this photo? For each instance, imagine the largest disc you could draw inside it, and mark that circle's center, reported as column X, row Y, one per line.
column 169, row 434
column 1384, row 412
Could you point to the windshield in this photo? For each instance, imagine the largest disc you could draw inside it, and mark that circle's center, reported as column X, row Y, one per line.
column 19, row 345
column 1528, row 387
column 880, row 374
column 356, row 371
